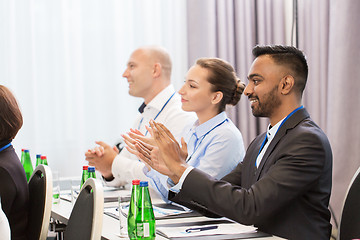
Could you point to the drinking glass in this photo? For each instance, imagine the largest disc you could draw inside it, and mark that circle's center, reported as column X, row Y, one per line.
column 75, row 190
column 123, row 207
column 56, row 187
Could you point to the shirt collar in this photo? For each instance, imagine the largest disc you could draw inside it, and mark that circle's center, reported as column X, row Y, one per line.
column 158, row 101
column 271, row 131
column 200, row 130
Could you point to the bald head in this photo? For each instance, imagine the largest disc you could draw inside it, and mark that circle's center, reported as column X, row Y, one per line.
column 148, row 72
column 158, row 55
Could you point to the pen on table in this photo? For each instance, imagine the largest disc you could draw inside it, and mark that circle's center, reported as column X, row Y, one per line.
column 198, row 229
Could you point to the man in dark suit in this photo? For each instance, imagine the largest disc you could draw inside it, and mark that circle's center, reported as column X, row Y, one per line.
column 283, row 185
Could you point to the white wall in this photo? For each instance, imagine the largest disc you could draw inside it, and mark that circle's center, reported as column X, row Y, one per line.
column 63, row 60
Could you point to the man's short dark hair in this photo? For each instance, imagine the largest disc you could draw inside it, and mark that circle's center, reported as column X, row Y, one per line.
column 290, row 57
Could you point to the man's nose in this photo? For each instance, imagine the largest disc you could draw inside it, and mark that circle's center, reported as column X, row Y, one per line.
column 126, row 73
column 247, row 90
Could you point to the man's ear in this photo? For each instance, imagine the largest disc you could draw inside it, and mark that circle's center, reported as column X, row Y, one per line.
column 157, row 70
column 287, row 84
column 217, row 97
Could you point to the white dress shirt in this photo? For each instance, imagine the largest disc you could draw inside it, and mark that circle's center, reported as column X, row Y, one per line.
column 270, row 134
column 126, row 166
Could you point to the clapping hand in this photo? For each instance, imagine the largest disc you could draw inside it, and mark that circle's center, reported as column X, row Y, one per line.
column 134, row 136
column 171, row 154
column 145, row 149
column 102, row 157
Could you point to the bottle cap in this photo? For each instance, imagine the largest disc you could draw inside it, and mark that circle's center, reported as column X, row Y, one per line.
column 38, row 155
column 26, row 150
column 91, row 169
column 143, row 184
column 85, row 167
column 22, row 149
column 43, row 157
column 136, row 182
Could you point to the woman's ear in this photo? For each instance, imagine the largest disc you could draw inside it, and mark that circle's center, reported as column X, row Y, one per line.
column 217, row 97
column 287, row 84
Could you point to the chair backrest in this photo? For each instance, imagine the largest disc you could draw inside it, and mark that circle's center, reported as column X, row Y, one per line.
column 40, row 202
column 350, row 217
column 85, row 222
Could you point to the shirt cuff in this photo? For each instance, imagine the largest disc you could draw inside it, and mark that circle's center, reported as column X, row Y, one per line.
column 147, row 172
column 111, row 181
column 176, row 188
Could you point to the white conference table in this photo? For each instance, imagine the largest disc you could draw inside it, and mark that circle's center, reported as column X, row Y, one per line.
column 111, row 225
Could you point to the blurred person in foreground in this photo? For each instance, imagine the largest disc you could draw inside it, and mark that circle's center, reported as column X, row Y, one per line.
column 13, row 188
column 283, row 185
column 4, row 225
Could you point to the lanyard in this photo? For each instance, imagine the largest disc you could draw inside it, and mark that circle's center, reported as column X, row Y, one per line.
column 5, row 147
column 196, row 147
column 287, row 117
column 158, row 112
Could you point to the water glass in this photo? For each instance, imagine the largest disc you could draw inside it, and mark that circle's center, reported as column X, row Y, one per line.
column 56, row 187
column 75, row 190
column 123, row 204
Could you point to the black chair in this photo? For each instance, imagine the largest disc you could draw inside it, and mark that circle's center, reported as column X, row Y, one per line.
column 40, row 196
column 350, row 217
column 85, row 222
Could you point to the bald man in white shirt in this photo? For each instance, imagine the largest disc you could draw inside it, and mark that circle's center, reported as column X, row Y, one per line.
column 148, row 74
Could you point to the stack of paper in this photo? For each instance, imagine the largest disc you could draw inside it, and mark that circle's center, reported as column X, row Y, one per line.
column 111, row 194
column 159, row 212
column 213, row 231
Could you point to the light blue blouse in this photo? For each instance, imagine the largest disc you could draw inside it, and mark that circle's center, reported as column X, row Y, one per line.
column 215, row 147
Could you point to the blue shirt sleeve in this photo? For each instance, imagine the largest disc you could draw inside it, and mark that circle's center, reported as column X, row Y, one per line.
column 159, row 182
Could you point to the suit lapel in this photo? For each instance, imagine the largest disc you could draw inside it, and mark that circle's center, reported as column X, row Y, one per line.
column 292, row 122
column 248, row 164
column 252, row 166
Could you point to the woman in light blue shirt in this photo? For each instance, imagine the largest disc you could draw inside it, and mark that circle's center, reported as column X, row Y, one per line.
column 214, row 143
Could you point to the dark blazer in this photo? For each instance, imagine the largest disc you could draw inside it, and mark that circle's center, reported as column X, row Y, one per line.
column 287, row 196
column 14, row 192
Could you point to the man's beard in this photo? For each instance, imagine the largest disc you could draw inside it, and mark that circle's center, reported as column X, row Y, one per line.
column 266, row 106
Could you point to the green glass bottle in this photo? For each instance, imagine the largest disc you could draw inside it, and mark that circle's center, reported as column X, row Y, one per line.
column 85, row 176
column 135, row 192
column 22, row 156
column 91, row 171
column 145, row 219
column 28, row 167
column 38, row 160
column 44, row 160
